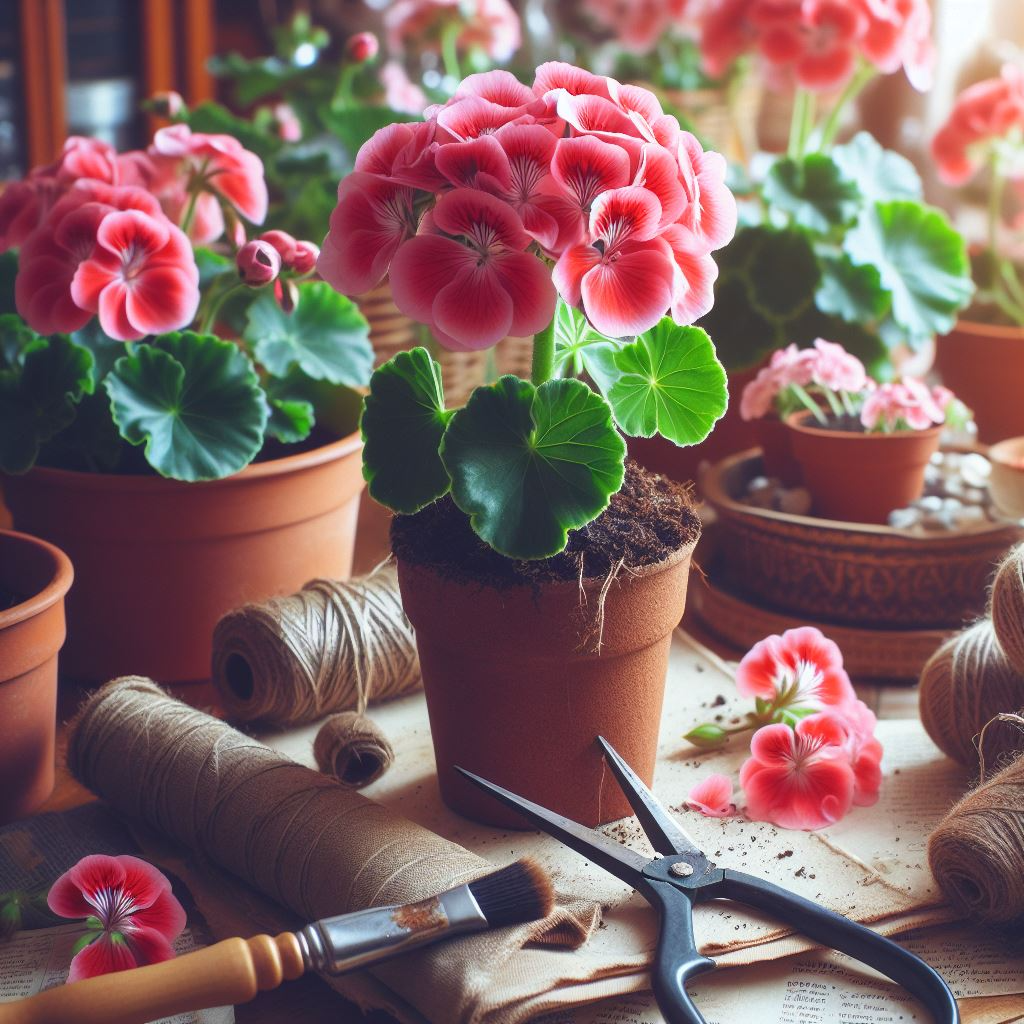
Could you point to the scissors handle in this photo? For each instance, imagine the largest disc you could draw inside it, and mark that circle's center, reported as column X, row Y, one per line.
column 840, row 933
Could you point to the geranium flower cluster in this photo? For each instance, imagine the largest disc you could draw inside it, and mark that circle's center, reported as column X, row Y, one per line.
column 820, row 44
column 491, row 26
column 985, row 114
column 467, row 210
column 638, row 24
column 813, row 753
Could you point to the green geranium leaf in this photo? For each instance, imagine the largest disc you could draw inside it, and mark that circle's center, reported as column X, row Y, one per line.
column 403, row 421
column 105, row 350
column 211, row 264
column 922, row 261
column 529, row 464
column 194, row 401
column 291, row 420
column 813, row 192
column 851, row 292
column 326, row 336
column 670, row 383
column 573, row 334
column 879, row 174
column 42, row 380
column 216, row 119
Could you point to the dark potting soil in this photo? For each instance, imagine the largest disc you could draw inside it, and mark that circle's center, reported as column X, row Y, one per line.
column 647, row 520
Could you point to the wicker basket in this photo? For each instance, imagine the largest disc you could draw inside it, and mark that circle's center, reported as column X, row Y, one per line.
column 725, row 118
column 849, row 574
column 392, row 331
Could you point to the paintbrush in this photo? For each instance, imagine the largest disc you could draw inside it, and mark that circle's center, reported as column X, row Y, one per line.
column 234, row 970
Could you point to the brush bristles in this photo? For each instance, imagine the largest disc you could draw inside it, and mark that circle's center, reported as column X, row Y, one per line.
column 521, row 892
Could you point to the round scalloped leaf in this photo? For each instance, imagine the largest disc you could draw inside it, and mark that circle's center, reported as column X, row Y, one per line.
column 529, row 464
column 879, row 173
column 850, row 292
column 813, row 192
column 403, row 421
column 194, row 401
column 290, row 419
column 670, row 383
column 922, row 261
column 325, row 336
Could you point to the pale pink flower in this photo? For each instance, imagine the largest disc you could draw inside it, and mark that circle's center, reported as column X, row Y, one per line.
column 901, row 405
column 637, row 24
column 401, row 93
column 713, row 797
column 758, row 397
column 837, row 370
column 863, row 750
column 491, row 26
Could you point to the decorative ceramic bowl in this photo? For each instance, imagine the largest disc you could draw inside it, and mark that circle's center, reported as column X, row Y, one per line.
column 854, row 574
column 1007, row 480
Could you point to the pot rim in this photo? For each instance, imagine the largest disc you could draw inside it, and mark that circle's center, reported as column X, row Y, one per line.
column 795, row 421
column 993, row 332
column 254, row 471
column 60, row 581
column 1002, row 451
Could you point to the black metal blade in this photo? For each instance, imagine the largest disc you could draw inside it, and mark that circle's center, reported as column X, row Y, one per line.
column 622, row 862
column 664, row 832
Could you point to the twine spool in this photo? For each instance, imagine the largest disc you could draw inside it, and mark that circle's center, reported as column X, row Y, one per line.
column 333, row 646
column 353, row 749
column 977, row 852
column 1007, row 608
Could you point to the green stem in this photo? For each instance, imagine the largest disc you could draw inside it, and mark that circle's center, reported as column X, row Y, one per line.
column 796, row 125
column 543, row 368
column 342, row 98
column 853, row 89
column 450, row 49
column 808, row 403
column 209, row 317
column 190, row 210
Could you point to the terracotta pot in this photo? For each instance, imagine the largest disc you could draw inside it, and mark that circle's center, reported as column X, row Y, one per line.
column 984, row 366
column 517, row 692
column 160, row 561
column 31, row 634
column 1007, row 481
column 777, row 451
column 860, row 477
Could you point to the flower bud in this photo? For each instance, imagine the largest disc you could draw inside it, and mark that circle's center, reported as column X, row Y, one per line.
column 258, row 263
column 289, row 127
column 283, row 243
column 361, row 47
column 707, row 736
column 287, row 294
column 168, row 104
column 305, row 257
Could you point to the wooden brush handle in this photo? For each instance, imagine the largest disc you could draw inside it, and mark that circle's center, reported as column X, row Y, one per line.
column 224, row 974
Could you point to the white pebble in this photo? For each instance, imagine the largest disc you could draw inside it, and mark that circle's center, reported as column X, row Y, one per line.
column 904, row 518
column 975, row 470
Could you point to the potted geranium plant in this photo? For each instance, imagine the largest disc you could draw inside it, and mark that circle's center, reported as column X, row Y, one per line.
column 983, row 357
column 862, row 447
column 128, row 426
column 838, row 242
column 543, row 574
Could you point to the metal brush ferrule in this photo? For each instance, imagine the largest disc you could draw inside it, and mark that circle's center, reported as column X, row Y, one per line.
column 339, row 944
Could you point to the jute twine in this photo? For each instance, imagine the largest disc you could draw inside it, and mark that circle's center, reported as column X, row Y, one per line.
column 977, row 852
column 353, row 749
column 334, row 646
column 979, row 674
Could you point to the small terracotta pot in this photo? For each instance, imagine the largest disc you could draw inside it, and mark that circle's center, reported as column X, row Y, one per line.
column 777, row 451
column 984, row 365
column 1007, row 481
column 517, row 692
column 160, row 561
column 31, row 634
column 860, row 477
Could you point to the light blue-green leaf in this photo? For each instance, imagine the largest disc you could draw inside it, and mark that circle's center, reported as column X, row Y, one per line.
column 879, row 174
column 813, row 192
column 850, row 292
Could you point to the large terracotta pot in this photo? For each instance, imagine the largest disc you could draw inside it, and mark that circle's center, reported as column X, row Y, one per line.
column 160, row 561
column 37, row 576
column 984, row 366
column 859, row 477
column 517, row 689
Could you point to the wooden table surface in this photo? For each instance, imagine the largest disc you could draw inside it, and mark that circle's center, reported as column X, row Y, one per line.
column 310, row 999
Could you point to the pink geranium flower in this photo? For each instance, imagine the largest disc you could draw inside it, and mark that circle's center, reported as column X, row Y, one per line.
column 491, row 26
column 637, row 24
column 401, row 93
column 710, row 213
column 835, row 369
column 469, row 276
column 24, row 205
column 899, row 34
column 863, row 751
column 799, row 778
column 131, row 914
column 141, row 277
column 787, row 367
column 902, row 405
column 713, row 797
column 802, row 667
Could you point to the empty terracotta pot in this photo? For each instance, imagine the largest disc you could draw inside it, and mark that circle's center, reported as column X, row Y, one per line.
column 160, row 561
column 34, row 577
column 859, row 477
column 984, row 366
column 517, row 689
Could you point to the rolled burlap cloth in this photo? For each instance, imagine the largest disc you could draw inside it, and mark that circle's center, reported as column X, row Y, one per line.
column 315, row 847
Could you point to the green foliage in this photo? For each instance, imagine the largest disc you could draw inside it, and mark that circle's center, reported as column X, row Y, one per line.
column 529, row 464
column 291, row 420
column 193, row 401
column 851, row 292
column 403, row 423
column 326, row 336
column 812, row 192
column 879, row 174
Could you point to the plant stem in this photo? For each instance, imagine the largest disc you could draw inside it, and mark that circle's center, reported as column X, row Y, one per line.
column 190, row 210
column 1007, row 291
column 853, row 89
column 808, row 403
column 450, row 49
column 210, row 315
column 796, row 125
column 342, row 98
column 543, row 368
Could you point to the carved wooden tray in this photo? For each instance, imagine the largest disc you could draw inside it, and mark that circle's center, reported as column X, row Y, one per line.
column 846, row 574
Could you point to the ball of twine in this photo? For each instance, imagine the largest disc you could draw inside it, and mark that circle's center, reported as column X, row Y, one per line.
column 976, row 675
column 977, row 852
column 353, row 749
column 333, row 646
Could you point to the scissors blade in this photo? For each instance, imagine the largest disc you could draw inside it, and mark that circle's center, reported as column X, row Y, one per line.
column 664, row 832
column 622, row 862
